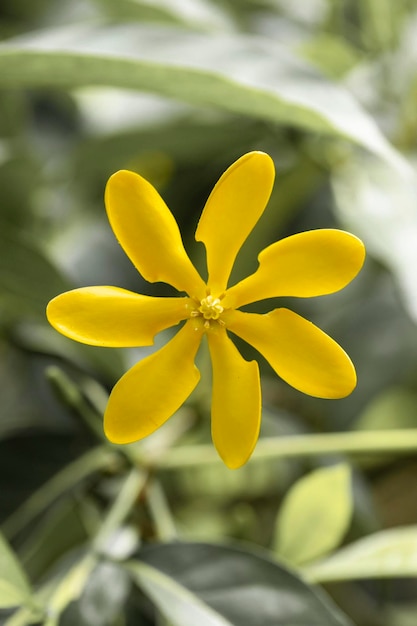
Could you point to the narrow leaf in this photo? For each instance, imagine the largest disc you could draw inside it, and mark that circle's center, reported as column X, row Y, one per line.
column 69, row 588
column 14, row 585
column 387, row 554
column 64, row 480
column 242, row 74
column 315, row 514
column 380, row 207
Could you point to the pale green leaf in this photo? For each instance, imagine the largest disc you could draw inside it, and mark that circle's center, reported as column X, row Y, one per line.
column 386, row 554
column 333, row 55
column 213, row 585
column 194, row 13
column 69, row 588
column 315, row 515
column 174, row 600
column 104, row 597
column 242, row 74
column 14, row 585
column 380, row 207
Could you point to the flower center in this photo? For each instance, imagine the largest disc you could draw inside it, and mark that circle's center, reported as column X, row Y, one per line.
column 209, row 308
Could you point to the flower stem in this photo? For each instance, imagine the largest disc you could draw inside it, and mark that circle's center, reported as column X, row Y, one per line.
column 366, row 442
column 122, row 506
column 160, row 511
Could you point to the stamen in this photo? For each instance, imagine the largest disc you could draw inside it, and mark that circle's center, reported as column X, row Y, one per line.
column 210, row 308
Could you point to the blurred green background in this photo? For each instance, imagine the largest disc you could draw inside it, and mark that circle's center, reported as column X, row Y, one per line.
column 177, row 90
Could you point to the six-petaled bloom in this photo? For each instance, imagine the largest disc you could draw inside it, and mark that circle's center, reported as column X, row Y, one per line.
column 311, row 263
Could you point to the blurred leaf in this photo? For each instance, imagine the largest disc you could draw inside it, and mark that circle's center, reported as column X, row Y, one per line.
column 395, row 407
column 380, row 207
column 102, row 599
column 69, row 588
column 380, row 21
column 14, row 585
column 391, row 409
column 13, row 112
column 122, row 543
column 194, row 13
column 27, row 278
column 387, row 554
column 242, row 74
column 40, row 338
column 213, row 585
column 20, row 407
column 19, row 182
column 216, row 481
column 28, row 460
column 121, row 508
column 401, row 615
column 64, row 527
column 315, row 514
column 60, row 483
column 72, row 396
column 333, row 55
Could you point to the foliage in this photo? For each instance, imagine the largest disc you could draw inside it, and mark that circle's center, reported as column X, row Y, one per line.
column 160, row 532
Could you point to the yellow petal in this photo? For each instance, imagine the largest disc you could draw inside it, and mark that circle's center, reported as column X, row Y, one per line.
column 113, row 317
column 151, row 391
column 300, row 353
column 149, row 234
column 236, row 401
column 232, row 210
column 313, row 263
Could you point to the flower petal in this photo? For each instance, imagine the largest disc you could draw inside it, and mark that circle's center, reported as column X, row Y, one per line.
column 232, row 210
column 149, row 234
column 151, row 391
column 236, row 401
column 300, row 353
column 313, row 263
column 113, row 317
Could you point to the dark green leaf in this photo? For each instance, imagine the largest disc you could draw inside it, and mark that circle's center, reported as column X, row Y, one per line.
column 213, row 585
column 27, row 278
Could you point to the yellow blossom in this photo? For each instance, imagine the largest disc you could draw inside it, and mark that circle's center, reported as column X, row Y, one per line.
column 307, row 264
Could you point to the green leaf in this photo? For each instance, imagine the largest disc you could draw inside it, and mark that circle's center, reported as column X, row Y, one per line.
column 380, row 207
column 103, row 598
column 194, row 13
column 64, row 480
column 386, row 554
column 393, row 408
column 333, row 55
column 14, row 586
column 69, row 588
column 212, row 585
column 64, row 527
column 27, row 278
column 315, row 514
column 238, row 73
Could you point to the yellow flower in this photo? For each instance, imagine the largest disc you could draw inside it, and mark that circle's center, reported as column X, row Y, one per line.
column 308, row 264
